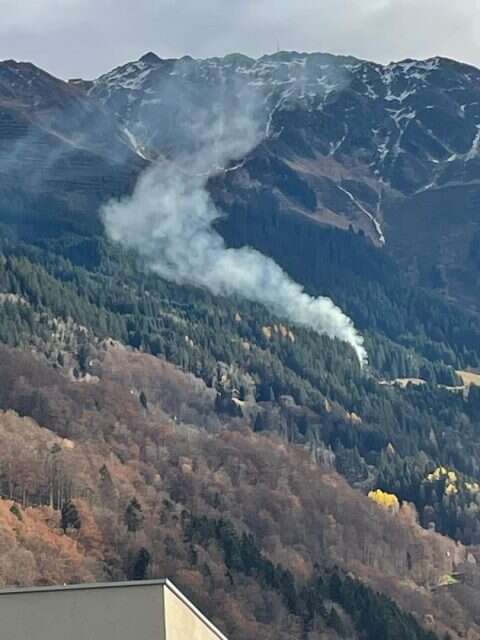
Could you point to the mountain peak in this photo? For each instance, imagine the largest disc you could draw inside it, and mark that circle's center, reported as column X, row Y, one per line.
column 150, row 58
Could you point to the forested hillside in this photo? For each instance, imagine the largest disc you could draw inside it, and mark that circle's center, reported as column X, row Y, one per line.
column 155, row 429
column 253, row 360
column 137, row 475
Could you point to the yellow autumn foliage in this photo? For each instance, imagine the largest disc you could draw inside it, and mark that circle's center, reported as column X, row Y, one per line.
column 387, row 500
column 472, row 487
column 453, row 482
column 451, row 490
column 439, row 473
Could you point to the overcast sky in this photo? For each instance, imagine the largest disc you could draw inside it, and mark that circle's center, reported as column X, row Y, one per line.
column 85, row 38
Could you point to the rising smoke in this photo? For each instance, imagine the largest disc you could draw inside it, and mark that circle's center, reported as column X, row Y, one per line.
column 169, row 221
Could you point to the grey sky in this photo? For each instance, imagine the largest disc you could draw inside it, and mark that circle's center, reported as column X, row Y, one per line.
column 88, row 37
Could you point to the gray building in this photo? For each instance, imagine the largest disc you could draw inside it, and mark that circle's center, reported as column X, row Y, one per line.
column 148, row 610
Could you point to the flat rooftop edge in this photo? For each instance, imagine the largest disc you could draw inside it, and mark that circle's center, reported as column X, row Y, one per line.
column 162, row 582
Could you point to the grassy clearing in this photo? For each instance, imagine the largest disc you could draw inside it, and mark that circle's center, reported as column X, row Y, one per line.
column 469, row 377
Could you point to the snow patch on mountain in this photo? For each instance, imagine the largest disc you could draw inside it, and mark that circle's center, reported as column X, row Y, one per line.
column 370, row 216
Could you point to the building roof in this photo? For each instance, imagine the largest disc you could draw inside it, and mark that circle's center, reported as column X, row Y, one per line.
column 164, row 583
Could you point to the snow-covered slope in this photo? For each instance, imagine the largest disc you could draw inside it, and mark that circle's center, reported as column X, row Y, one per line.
column 411, row 122
column 356, row 134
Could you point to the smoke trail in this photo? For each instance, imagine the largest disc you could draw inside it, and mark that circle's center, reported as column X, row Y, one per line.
column 169, row 219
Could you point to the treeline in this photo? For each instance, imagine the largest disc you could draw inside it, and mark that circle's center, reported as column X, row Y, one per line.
column 247, row 355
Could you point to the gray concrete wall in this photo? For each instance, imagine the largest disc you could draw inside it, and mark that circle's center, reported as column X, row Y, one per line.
column 128, row 611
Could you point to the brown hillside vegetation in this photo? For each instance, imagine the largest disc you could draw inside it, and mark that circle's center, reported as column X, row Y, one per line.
column 141, row 454
column 34, row 551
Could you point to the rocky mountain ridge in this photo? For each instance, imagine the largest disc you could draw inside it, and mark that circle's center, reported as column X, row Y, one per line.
column 344, row 142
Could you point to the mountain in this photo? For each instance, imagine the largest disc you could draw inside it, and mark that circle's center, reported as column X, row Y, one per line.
column 346, row 142
column 60, row 146
column 150, row 427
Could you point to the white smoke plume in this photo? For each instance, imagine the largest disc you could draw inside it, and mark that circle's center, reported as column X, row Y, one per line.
column 169, row 221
